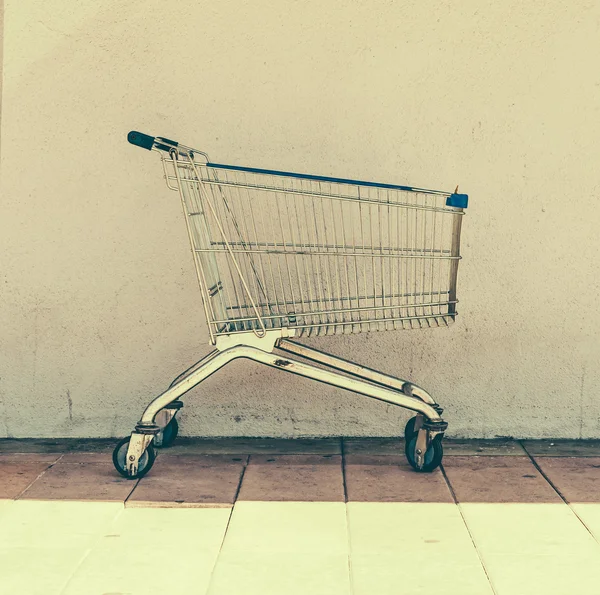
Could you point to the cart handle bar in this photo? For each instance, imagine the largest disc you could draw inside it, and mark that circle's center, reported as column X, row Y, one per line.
column 164, row 144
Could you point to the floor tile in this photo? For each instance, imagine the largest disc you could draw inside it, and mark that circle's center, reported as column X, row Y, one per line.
column 497, row 479
column 590, row 516
column 385, row 478
column 577, row 479
column 533, row 548
column 29, row 457
column 35, row 445
column 190, row 481
column 55, row 524
column 288, row 527
column 562, row 448
column 482, row 448
column 15, row 476
column 547, row 575
column 284, row 547
column 394, row 547
column 281, row 574
column 184, row 543
column 374, row 446
column 42, row 543
column 37, row 570
column 81, row 481
column 307, row 478
column 185, row 445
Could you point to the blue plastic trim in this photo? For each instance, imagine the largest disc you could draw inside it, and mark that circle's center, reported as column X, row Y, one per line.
column 272, row 172
column 141, row 140
column 458, row 200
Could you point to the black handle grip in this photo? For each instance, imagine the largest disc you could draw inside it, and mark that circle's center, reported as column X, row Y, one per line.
column 150, row 142
column 141, row 140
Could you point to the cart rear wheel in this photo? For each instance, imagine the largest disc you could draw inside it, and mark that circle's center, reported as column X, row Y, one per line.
column 433, row 456
column 169, row 433
column 120, row 459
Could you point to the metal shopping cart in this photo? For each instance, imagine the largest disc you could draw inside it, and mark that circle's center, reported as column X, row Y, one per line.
column 281, row 256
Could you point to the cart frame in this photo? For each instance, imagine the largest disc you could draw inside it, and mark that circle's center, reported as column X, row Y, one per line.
column 261, row 334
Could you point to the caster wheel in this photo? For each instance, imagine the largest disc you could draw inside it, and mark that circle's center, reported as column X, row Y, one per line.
column 169, row 433
column 409, row 430
column 144, row 465
column 433, row 456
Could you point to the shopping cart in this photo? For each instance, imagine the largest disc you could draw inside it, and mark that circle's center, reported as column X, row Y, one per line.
column 281, row 256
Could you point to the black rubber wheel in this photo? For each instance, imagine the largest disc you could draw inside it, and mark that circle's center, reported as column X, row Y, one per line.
column 169, row 433
column 144, row 465
column 433, row 456
column 409, row 429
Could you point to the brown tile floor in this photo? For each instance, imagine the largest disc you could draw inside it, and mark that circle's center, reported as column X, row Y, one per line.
column 298, row 516
column 209, row 472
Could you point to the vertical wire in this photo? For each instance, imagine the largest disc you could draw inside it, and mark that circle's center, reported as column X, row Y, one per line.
column 237, row 209
column 381, row 258
column 363, row 261
column 285, row 197
column 338, row 262
column 414, row 259
column 424, row 261
column 353, row 206
column 261, row 257
column 316, row 269
column 406, row 264
column 372, row 254
column 391, row 258
column 346, row 260
column 280, row 257
column 329, row 294
column 270, row 253
column 307, row 261
column 235, row 304
column 300, row 258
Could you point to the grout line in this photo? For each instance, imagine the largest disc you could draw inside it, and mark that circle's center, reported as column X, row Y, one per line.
column 343, row 453
column 22, row 493
column 458, row 506
column 133, row 489
column 349, row 541
column 239, row 487
column 555, row 488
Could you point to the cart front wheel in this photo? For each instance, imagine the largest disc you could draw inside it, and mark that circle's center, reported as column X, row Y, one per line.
column 120, row 459
column 433, row 456
column 169, row 433
column 409, row 430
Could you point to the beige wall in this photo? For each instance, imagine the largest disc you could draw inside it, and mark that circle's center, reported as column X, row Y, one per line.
column 99, row 305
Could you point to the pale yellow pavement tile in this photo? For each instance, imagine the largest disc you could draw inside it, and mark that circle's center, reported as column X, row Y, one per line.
column 284, row 548
column 271, row 573
column 288, row 527
column 37, row 570
column 141, row 540
column 527, row 529
column 154, row 550
column 394, row 546
column 56, row 524
column 42, row 543
column 385, row 574
column 590, row 515
column 546, row 575
column 5, row 507
column 534, row 548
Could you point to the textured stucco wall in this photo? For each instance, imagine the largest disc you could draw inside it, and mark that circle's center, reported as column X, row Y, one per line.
column 99, row 305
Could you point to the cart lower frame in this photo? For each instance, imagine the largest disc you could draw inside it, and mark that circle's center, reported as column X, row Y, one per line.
column 281, row 353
